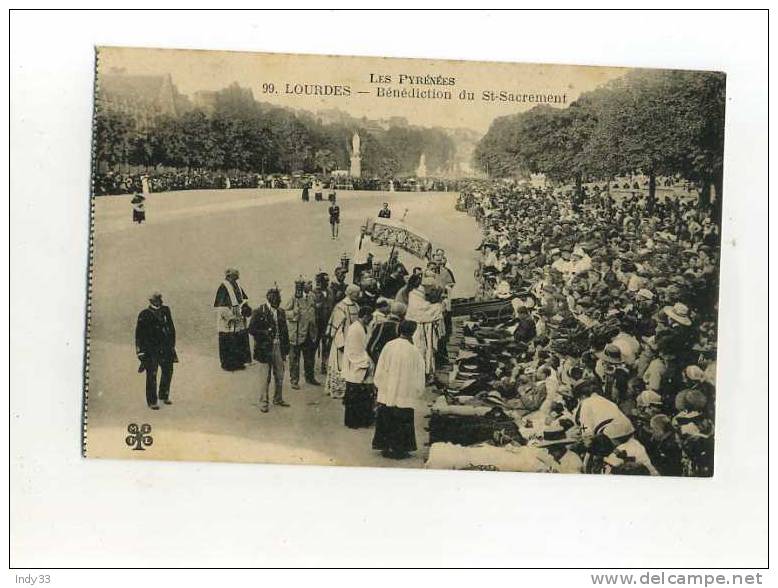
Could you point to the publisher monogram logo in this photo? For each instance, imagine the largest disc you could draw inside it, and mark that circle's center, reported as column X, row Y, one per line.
column 139, row 438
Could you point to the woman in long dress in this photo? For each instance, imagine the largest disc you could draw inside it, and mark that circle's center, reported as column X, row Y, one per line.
column 343, row 315
column 138, row 208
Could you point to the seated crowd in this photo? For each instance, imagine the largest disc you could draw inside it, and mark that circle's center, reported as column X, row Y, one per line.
column 609, row 342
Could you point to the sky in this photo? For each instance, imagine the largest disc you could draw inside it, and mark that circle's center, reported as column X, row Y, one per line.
column 193, row 71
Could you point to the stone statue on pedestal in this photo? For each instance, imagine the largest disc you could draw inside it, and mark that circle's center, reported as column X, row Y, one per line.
column 356, row 156
column 422, row 169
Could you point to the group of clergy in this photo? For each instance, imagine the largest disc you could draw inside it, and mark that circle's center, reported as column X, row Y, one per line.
column 381, row 373
column 373, row 360
column 378, row 343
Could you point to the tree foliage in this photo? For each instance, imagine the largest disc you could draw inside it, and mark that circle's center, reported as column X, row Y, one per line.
column 238, row 133
column 655, row 122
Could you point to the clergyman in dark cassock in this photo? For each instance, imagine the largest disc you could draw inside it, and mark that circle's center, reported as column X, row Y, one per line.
column 232, row 310
column 393, row 283
column 385, row 331
column 155, row 346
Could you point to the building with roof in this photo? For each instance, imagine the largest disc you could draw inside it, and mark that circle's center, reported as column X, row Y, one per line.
column 144, row 98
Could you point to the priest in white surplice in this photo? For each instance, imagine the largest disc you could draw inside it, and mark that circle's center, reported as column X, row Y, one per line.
column 362, row 254
column 232, row 309
column 429, row 317
column 399, row 378
column 359, row 400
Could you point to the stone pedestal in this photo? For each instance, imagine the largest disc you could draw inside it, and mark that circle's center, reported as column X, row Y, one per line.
column 356, row 166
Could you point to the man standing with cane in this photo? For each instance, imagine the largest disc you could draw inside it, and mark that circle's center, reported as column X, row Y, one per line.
column 271, row 346
column 303, row 333
column 155, row 345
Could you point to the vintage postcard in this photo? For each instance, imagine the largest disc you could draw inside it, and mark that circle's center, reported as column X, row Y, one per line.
column 308, row 259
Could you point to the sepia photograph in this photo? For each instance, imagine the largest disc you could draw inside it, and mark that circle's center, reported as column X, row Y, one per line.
column 344, row 289
column 406, row 263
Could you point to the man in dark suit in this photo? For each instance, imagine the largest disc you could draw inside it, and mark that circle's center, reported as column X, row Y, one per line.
column 323, row 301
column 271, row 347
column 385, row 212
column 155, row 345
column 338, row 287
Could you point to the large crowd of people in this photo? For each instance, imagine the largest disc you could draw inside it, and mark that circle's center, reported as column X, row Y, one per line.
column 168, row 181
column 601, row 357
column 115, row 183
column 608, row 346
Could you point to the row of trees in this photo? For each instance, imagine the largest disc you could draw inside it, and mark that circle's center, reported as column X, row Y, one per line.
column 654, row 122
column 238, row 133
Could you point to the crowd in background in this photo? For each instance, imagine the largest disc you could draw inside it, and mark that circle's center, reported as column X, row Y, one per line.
column 119, row 183
column 114, row 183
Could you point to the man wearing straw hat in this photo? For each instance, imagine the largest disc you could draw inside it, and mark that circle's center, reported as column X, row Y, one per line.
column 626, row 448
column 554, row 448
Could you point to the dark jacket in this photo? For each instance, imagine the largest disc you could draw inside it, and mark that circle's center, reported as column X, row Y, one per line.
column 525, row 330
column 155, row 334
column 392, row 285
column 263, row 328
column 324, row 304
column 368, row 299
column 382, row 334
column 337, row 292
column 666, row 456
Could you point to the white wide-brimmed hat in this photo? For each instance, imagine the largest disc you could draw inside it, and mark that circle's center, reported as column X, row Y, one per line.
column 679, row 313
column 555, row 434
column 503, row 290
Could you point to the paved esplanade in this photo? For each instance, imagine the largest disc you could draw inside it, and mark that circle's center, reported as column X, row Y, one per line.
column 270, row 235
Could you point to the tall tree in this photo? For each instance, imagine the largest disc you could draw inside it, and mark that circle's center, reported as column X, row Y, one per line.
column 325, row 160
column 649, row 121
column 641, row 118
column 112, row 138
